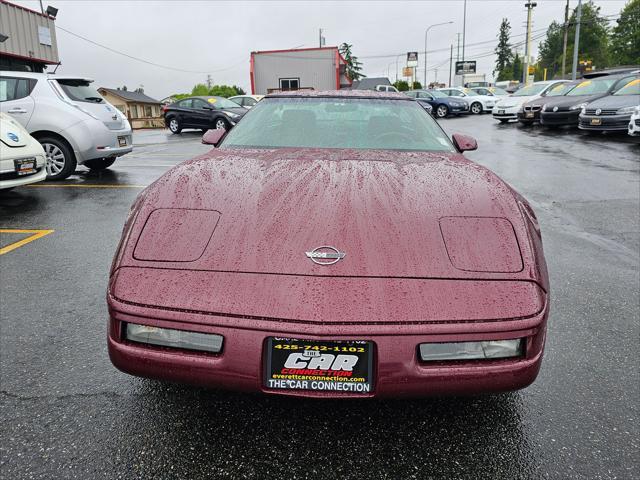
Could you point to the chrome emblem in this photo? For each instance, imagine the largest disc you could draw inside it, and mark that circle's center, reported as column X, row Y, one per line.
column 325, row 255
column 13, row 137
column 598, row 111
column 555, row 109
column 115, row 117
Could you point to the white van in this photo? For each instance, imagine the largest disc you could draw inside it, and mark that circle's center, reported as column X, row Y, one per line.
column 69, row 118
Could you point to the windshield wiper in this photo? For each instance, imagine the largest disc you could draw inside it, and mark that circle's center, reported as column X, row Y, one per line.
column 94, row 99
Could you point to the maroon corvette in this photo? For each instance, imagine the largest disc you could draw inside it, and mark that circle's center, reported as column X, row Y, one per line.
column 333, row 244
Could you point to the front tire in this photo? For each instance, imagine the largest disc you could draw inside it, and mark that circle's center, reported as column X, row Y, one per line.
column 442, row 111
column 476, row 108
column 174, row 125
column 60, row 160
column 221, row 123
column 99, row 163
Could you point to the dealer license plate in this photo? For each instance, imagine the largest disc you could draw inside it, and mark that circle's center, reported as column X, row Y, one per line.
column 596, row 121
column 321, row 366
column 25, row 166
column 500, row 112
column 528, row 115
column 122, row 141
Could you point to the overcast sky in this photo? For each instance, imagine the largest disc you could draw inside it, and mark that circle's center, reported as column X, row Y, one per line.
column 217, row 37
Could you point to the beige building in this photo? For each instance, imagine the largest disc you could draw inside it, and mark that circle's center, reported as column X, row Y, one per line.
column 141, row 110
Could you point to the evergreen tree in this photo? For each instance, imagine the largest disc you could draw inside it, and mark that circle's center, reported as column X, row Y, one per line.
column 354, row 67
column 503, row 50
column 625, row 38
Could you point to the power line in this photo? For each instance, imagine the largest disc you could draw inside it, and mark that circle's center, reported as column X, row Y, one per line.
column 113, row 50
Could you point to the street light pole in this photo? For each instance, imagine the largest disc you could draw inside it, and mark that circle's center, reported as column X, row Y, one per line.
column 464, row 28
column 425, row 48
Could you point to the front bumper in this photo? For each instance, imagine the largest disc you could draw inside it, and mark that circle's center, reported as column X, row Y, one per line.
column 501, row 113
column 529, row 117
column 567, row 117
column 607, row 123
column 397, row 370
column 9, row 178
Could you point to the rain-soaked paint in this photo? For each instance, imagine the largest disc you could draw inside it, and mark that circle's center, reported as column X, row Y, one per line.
column 436, row 248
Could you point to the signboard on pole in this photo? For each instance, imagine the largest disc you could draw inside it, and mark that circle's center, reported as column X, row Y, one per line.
column 412, row 59
column 463, row 68
column 407, row 72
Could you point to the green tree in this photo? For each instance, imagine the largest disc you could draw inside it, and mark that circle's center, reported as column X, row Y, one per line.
column 516, row 68
column 354, row 67
column 504, row 55
column 625, row 38
column 594, row 40
column 401, row 85
column 200, row 90
column 550, row 49
column 417, row 86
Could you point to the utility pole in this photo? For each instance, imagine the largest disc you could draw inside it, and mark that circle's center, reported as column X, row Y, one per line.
column 576, row 42
column 525, row 71
column 464, row 28
column 450, row 64
column 458, row 52
column 209, row 81
column 320, row 38
column 566, row 34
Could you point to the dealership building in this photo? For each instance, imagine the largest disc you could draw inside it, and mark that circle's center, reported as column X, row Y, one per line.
column 298, row 69
column 27, row 38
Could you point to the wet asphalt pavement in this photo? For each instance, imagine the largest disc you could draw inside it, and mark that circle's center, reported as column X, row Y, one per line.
column 67, row 413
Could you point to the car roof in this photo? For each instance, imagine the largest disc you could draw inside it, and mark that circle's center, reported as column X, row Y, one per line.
column 51, row 76
column 371, row 94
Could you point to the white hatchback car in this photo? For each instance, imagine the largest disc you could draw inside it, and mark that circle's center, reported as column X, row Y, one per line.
column 477, row 103
column 22, row 158
column 74, row 124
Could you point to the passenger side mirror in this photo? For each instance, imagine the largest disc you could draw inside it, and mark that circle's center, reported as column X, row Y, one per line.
column 464, row 143
column 214, row 136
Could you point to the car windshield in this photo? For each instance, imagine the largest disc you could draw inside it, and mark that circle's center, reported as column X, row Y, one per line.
column 533, row 89
column 560, row 89
column 80, row 90
column 437, row 94
column 221, row 102
column 631, row 88
column 471, row 93
column 355, row 123
column 498, row 91
column 592, row 87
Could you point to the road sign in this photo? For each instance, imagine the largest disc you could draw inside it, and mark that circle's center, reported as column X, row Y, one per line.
column 407, row 72
column 412, row 59
column 532, row 70
column 462, row 68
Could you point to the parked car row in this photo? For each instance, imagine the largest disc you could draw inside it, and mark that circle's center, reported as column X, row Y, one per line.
column 68, row 117
column 608, row 103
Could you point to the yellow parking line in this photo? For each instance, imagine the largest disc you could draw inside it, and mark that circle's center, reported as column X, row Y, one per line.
column 12, row 246
column 82, row 185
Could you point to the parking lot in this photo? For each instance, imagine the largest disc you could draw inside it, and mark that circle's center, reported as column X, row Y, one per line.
column 66, row 412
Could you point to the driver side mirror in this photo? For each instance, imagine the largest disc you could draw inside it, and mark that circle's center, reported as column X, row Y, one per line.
column 464, row 143
column 214, row 136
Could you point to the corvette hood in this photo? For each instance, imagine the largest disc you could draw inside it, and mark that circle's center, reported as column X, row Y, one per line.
column 393, row 214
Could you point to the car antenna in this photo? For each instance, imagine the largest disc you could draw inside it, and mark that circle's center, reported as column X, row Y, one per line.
column 55, row 69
